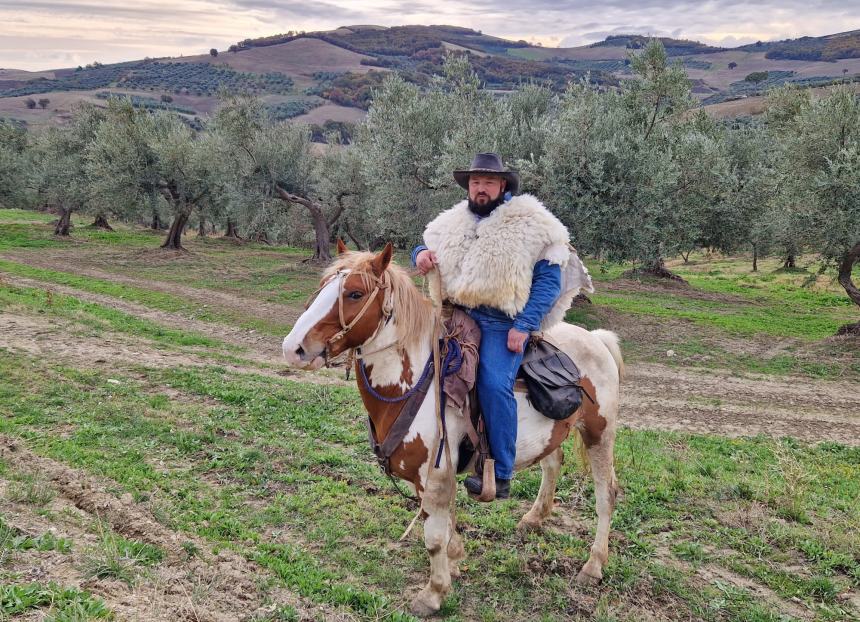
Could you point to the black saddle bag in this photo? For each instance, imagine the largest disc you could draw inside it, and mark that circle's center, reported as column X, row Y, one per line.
column 552, row 379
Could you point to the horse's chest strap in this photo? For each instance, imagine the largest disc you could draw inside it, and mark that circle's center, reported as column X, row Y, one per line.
column 400, row 428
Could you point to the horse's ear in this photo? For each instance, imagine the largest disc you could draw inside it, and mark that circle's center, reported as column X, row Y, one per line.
column 381, row 261
column 341, row 247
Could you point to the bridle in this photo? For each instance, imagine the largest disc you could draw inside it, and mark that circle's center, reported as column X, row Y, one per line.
column 380, row 284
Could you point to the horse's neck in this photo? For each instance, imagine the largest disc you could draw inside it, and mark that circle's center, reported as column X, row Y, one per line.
column 393, row 365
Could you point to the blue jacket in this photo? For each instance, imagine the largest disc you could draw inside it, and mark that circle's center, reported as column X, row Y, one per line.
column 545, row 290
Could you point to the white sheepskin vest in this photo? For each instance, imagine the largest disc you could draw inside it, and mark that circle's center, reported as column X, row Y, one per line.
column 490, row 261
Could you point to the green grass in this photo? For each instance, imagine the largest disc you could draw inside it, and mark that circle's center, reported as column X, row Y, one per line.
column 29, row 488
column 764, row 303
column 116, row 557
column 8, row 215
column 149, row 298
column 99, row 317
column 281, row 471
column 789, row 319
column 62, row 604
column 12, row 539
column 300, row 494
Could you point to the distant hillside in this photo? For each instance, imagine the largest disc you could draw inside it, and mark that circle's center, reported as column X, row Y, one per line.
column 828, row 48
column 329, row 76
column 420, row 50
column 674, row 47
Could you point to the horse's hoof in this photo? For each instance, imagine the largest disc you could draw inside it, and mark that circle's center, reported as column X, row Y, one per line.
column 425, row 604
column 586, row 579
column 529, row 524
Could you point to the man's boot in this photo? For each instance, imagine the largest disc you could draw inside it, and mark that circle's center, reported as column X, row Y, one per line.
column 475, row 485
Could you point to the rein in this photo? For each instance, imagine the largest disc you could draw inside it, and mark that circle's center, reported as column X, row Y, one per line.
column 380, row 284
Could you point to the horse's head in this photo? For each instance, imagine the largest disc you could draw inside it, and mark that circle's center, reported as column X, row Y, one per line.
column 351, row 305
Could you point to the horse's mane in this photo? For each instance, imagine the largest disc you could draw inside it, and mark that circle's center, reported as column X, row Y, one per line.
column 413, row 314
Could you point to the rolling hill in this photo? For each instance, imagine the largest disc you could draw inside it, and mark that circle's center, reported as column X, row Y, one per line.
column 329, row 75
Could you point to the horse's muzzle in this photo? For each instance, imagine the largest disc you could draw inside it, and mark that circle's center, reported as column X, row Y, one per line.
column 297, row 356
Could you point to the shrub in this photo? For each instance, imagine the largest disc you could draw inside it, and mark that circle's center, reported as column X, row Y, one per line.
column 757, row 76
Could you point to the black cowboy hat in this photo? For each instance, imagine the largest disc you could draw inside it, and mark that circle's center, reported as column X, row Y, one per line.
column 489, row 164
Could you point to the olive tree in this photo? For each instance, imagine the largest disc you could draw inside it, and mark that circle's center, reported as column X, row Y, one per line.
column 821, row 164
column 137, row 156
column 59, row 173
column 623, row 169
column 751, row 210
column 14, row 144
column 272, row 169
column 412, row 139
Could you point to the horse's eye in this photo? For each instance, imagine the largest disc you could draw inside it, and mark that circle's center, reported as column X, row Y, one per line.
column 355, row 295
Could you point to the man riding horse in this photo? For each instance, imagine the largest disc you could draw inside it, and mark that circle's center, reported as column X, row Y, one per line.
column 501, row 257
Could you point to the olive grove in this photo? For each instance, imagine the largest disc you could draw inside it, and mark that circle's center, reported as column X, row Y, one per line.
column 637, row 172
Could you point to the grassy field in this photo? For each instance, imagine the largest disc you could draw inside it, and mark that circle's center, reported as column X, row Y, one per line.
column 154, row 463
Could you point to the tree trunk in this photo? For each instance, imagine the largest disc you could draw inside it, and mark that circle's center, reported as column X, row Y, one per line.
column 755, row 257
column 790, row 262
column 322, row 251
column 358, row 244
column 201, row 228
column 851, row 257
column 846, row 265
column 174, row 235
column 64, row 223
column 232, row 232
column 262, row 237
column 101, row 223
column 656, row 269
column 687, row 256
column 156, row 222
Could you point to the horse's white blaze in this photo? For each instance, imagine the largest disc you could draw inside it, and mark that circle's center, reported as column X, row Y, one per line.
column 320, row 307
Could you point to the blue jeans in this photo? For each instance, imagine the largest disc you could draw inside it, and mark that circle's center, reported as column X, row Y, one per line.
column 497, row 371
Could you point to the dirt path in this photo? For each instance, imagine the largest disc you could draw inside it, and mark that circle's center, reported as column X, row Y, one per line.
column 720, row 402
column 654, row 396
column 200, row 587
column 233, row 302
column 61, row 340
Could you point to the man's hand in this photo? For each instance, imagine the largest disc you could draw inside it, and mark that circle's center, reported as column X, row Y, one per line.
column 425, row 261
column 517, row 340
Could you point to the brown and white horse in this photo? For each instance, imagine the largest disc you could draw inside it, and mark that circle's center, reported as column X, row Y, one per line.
column 367, row 302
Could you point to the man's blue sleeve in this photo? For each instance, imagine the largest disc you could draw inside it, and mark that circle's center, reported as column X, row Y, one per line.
column 546, row 288
column 415, row 252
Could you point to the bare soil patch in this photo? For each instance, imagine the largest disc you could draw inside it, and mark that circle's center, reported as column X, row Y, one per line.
column 331, row 112
column 720, row 402
column 304, row 56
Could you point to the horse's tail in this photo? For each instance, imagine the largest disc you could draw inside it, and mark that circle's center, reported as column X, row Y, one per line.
column 610, row 340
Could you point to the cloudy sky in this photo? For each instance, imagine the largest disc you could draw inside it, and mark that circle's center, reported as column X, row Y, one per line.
column 45, row 34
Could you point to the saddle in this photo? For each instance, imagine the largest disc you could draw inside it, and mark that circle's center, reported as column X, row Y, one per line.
column 548, row 376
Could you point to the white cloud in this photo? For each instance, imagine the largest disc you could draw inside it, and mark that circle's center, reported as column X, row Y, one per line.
column 40, row 33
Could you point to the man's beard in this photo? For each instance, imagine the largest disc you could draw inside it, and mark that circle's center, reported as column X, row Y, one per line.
column 487, row 208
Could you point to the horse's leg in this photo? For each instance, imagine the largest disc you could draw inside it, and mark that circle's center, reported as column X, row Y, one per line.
column 456, row 550
column 542, row 507
column 605, row 490
column 437, row 535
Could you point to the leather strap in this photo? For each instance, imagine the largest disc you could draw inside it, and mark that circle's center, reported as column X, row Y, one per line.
column 400, row 428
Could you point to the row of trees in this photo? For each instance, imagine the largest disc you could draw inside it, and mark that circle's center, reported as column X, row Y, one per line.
column 637, row 173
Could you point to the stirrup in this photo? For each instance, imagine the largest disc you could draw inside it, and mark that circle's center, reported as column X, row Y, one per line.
column 488, row 487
